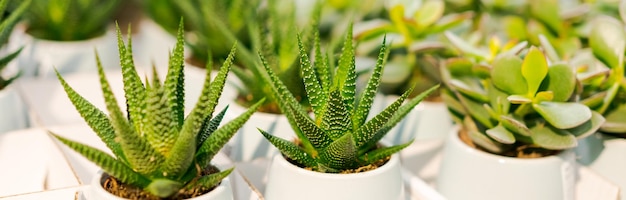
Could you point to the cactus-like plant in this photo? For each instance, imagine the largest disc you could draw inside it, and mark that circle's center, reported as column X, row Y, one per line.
column 517, row 104
column 69, row 20
column 339, row 137
column 6, row 27
column 156, row 147
column 415, row 56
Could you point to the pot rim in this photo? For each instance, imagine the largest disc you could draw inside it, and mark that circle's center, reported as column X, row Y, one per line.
column 455, row 140
column 96, row 180
column 108, row 34
column 394, row 160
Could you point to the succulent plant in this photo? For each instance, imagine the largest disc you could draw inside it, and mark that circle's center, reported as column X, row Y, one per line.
column 6, row 27
column 339, row 137
column 156, row 147
column 204, row 36
column 517, row 102
column 414, row 58
column 69, row 20
column 603, row 81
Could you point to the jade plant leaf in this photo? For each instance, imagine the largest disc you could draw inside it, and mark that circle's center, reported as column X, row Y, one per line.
column 616, row 120
column 507, row 74
column 607, row 40
column 563, row 115
column 561, row 81
column 429, row 13
column 465, row 47
column 501, row 134
column 589, row 127
column 550, row 138
column 534, row 70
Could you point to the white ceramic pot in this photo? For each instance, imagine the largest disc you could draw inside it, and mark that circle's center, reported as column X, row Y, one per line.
column 467, row 173
column 96, row 192
column 13, row 114
column 604, row 154
column 429, row 124
column 40, row 57
column 287, row 182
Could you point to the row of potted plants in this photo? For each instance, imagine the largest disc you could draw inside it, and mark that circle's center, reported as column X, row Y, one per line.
column 509, row 101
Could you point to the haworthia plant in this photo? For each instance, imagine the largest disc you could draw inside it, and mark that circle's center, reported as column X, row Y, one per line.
column 6, row 27
column 69, row 20
column 155, row 146
column 517, row 100
column 338, row 137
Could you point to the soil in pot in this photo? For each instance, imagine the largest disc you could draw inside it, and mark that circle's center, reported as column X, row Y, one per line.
column 117, row 188
column 518, row 150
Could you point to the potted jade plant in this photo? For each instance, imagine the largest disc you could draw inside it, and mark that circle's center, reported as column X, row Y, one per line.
column 158, row 152
column 604, row 90
column 13, row 115
column 413, row 61
column 517, row 125
column 59, row 33
column 338, row 151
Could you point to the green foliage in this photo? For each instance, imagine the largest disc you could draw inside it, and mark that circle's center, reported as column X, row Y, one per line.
column 6, row 27
column 69, row 20
column 604, row 85
column 216, row 25
column 338, row 137
column 415, row 56
column 155, row 146
column 521, row 100
column 206, row 23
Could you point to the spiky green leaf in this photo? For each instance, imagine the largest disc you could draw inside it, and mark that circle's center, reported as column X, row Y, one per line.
column 175, row 79
column 209, row 126
column 109, row 164
column 209, row 181
column 345, row 77
column 291, row 150
column 341, row 154
column 382, row 153
column 135, row 92
column 336, row 120
column 220, row 137
column 367, row 96
column 314, row 90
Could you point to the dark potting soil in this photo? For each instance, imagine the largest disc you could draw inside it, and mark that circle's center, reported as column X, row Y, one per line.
column 117, row 188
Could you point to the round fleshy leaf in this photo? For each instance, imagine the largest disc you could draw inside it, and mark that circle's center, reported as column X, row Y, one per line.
column 479, row 138
column 429, row 13
column 563, row 115
column 501, row 134
column 551, row 138
column 465, row 47
column 615, row 121
column 607, row 41
column 507, row 75
column 515, row 125
column 534, row 70
column 519, row 99
column 588, row 127
column 547, row 11
column 561, row 81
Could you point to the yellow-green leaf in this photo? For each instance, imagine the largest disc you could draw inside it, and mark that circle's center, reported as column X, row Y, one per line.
column 534, row 70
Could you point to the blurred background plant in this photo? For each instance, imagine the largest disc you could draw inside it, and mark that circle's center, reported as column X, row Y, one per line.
column 414, row 28
column 6, row 26
column 69, row 20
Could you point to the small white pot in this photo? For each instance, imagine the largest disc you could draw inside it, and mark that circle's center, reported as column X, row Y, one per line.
column 429, row 123
column 604, row 154
column 96, row 192
column 467, row 173
column 287, row 182
column 13, row 114
column 40, row 57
